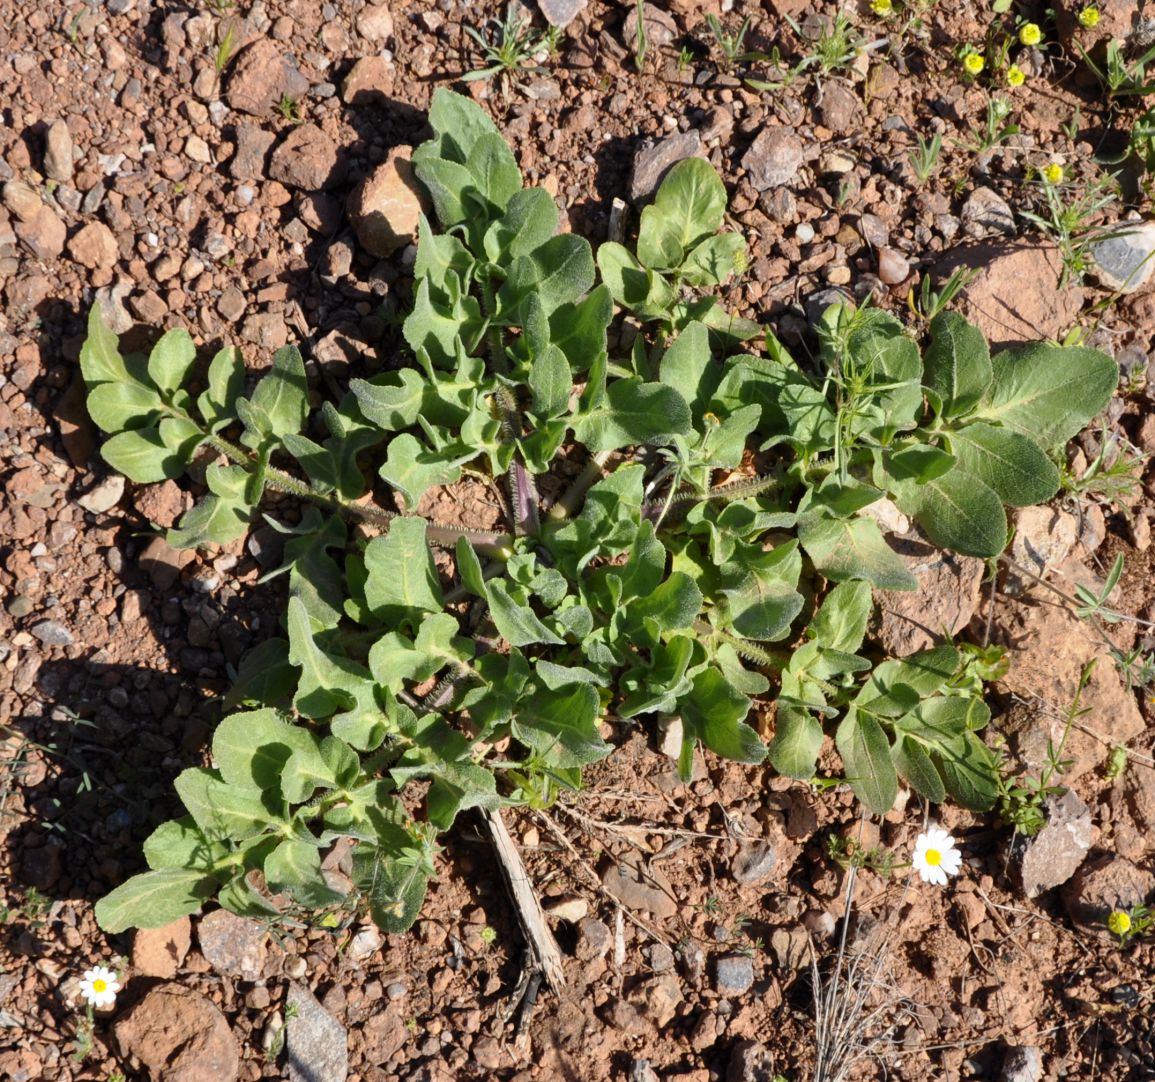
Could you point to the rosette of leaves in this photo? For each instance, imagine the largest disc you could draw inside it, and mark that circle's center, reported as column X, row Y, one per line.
column 664, row 583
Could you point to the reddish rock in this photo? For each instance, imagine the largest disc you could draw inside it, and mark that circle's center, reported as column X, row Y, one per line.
column 369, row 82
column 262, row 75
column 385, row 207
column 180, row 1036
column 1016, row 296
column 234, row 946
column 159, row 952
column 308, row 159
column 58, row 152
column 375, row 22
column 252, row 153
column 94, row 246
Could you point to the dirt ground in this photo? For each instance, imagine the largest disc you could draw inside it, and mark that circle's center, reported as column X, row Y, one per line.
column 685, row 912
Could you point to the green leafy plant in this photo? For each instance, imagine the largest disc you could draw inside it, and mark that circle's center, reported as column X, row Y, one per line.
column 1119, row 76
column 836, row 46
column 995, row 130
column 664, row 580
column 290, row 109
column 509, row 52
column 731, row 46
column 924, row 158
column 1069, row 218
column 226, row 48
column 641, row 38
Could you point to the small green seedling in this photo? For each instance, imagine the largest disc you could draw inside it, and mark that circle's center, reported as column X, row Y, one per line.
column 509, row 52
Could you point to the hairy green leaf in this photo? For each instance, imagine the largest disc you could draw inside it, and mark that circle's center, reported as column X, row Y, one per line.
column 1048, row 393
column 866, row 759
column 171, row 358
column 1012, row 464
column 154, row 899
column 957, row 363
column 852, row 548
column 688, row 208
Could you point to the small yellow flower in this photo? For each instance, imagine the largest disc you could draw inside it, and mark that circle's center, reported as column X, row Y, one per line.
column 1089, row 17
column 1015, row 76
column 1119, row 922
column 1053, row 173
column 882, row 8
column 974, row 63
column 1030, row 34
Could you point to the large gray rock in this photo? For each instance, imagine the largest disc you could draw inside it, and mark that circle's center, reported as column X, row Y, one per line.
column 773, row 158
column 561, row 12
column 316, row 1043
column 652, row 163
column 1054, row 854
column 1125, row 257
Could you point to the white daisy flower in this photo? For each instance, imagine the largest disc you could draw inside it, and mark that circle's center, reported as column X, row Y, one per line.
column 936, row 856
column 99, row 987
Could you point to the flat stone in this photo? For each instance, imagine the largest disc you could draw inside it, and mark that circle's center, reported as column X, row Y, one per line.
column 733, row 974
column 572, row 909
column 947, row 595
column 840, row 108
column 987, row 212
column 660, row 998
column 365, row 943
column 1107, row 883
column 639, row 889
column 659, row 25
column 180, row 1036
column 159, row 952
column 561, row 13
column 94, row 246
column 316, row 1043
column 1051, row 646
column 386, row 206
column 262, row 75
column 751, row 1061
column 1015, row 296
column 52, row 633
column 1055, row 853
column 874, row 230
column 234, row 946
column 1125, row 258
column 893, row 267
column 375, row 22
column 773, row 158
column 652, row 163
column 754, row 863
column 198, row 150
column 252, row 153
column 594, row 939
column 369, row 82
column 43, row 234
column 58, row 164
column 790, row 947
column 1044, row 538
column 307, row 159
column 103, row 496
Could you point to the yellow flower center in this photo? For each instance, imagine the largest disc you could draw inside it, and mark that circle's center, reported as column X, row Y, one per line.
column 100, row 985
column 933, row 857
